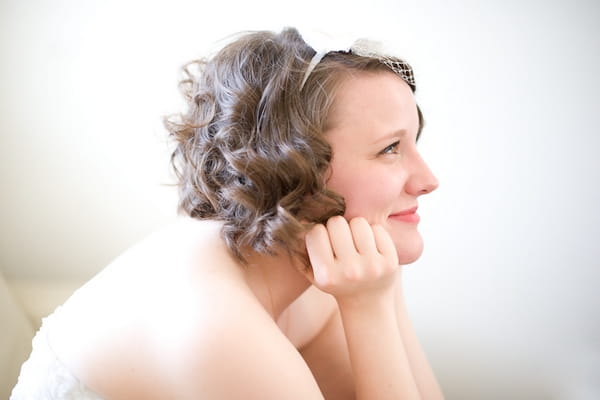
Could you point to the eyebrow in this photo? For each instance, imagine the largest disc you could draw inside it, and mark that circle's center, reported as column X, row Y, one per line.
column 393, row 135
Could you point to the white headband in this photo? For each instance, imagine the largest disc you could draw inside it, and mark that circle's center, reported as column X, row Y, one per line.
column 324, row 44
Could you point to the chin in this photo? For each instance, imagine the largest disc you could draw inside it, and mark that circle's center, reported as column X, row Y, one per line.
column 409, row 248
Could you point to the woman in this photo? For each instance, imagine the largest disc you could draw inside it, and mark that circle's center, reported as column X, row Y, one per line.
column 299, row 175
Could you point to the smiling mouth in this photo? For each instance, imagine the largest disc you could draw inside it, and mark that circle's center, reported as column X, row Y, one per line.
column 409, row 216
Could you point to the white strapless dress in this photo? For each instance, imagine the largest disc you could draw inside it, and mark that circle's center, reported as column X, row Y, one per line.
column 44, row 377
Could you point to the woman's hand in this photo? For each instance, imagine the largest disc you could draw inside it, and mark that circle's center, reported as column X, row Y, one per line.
column 352, row 261
column 357, row 264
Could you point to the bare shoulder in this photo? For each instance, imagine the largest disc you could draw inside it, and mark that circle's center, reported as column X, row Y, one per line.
column 227, row 347
column 173, row 318
column 242, row 355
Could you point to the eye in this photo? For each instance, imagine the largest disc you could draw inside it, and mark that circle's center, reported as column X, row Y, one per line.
column 391, row 149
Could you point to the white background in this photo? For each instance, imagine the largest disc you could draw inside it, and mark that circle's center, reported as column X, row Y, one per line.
column 505, row 297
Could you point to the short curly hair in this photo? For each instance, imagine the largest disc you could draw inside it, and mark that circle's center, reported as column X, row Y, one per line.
column 250, row 149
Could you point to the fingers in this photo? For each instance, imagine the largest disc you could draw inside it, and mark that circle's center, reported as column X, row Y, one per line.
column 385, row 244
column 363, row 236
column 319, row 251
column 351, row 258
column 340, row 237
column 348, row 238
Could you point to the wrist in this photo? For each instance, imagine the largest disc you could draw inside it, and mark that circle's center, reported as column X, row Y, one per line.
column 370, row 304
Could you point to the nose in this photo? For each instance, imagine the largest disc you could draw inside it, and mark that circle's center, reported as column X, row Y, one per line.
column 422, row 180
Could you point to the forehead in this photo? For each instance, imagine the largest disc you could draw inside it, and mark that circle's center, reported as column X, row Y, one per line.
column 368, row 105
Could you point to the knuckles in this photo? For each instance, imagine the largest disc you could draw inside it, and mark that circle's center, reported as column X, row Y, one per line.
column 316, row 230
column 357, row 222
column 336, row 223
column 353, row 272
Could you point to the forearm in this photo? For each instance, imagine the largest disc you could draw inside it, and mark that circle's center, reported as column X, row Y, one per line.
column 378, row 357
column 420, row 367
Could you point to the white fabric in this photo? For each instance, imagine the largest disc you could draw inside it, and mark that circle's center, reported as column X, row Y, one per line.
column 323, row 43
column 44, row 377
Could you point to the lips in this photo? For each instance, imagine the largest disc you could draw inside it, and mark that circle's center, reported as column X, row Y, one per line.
column 410, row 216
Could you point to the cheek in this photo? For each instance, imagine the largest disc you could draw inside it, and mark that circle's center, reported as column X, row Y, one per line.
column 368, row 192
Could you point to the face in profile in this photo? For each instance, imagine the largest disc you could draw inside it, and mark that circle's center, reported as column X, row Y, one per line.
column 376, row 166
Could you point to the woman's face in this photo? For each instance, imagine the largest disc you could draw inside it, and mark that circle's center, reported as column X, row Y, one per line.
column 376, row 166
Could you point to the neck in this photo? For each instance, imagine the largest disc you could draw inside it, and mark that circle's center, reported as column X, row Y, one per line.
column 275, row 280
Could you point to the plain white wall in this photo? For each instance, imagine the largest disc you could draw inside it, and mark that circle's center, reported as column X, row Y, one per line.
column 505, row 296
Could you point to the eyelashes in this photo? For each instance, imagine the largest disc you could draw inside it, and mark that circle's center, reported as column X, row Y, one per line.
column 391, row 149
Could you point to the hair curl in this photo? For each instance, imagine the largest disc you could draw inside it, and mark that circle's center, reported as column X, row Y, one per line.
column 250, row 149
